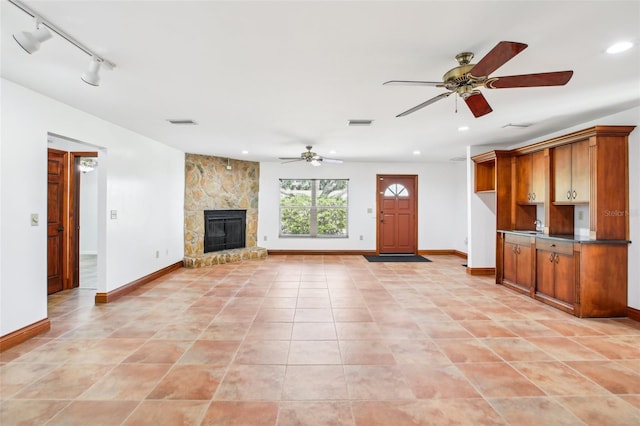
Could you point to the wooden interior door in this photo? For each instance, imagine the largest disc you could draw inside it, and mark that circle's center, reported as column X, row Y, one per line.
column 56, row 219
column 397, row 204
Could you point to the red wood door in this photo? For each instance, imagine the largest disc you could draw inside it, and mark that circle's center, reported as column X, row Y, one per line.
column 55, row 219
column 397, row 201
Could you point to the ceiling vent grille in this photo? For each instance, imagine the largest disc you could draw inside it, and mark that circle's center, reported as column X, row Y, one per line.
column 517, row 125
column 182, row 122
column 360, row 122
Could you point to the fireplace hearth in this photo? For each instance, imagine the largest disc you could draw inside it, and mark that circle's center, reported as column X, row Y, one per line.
column 224, row 230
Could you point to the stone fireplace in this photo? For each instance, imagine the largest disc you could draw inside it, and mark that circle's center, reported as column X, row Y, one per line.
column 218, row 184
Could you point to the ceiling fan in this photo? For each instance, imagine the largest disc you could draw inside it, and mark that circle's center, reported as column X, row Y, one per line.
column 466, row 78
column 310, row 157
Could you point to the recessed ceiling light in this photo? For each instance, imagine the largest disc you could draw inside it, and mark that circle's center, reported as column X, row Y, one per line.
column 619, row 47
column 463, row 128
column 416, row 152
column 333, row 151
column 245, row 152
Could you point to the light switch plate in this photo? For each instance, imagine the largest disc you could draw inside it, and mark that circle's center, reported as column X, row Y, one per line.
column 35, row 219
column 114, row 214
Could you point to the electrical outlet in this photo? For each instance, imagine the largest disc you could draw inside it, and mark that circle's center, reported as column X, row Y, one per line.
column 361, row 237
column 369, row 210
column 265, row 238
column 580, row 215
column 114, row 214
column 157, row 254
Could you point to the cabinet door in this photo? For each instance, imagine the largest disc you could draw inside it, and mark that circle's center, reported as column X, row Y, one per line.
column 565, row 283
column 545, row 272
column 523, row 179
column 537, row 177
column 562, row 174
column 580, row 172
column 510, row 264
column 523, row 265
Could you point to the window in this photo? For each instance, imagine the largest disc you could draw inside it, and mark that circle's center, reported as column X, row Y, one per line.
column 314, row 207
column 396, row 190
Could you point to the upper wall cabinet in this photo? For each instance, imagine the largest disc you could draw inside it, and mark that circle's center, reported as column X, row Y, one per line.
column 530, row 178
column 571, row 173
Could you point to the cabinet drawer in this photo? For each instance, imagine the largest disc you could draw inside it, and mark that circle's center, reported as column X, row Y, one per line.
column 517, row 239
column 554, row 246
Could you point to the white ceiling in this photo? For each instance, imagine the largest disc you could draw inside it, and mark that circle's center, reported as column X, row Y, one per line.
column 271, row 77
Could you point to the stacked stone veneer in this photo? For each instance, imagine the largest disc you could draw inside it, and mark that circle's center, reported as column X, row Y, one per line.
column 210, row 186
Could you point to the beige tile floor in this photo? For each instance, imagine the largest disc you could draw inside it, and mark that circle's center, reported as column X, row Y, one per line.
column 322, row 340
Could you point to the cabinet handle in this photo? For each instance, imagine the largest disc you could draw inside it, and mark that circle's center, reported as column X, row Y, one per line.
column 557, row 258
column 513, row 249
column 529, row 196
column 575, row 194
column 551, row 256
column 569, row 195
column 517, row 249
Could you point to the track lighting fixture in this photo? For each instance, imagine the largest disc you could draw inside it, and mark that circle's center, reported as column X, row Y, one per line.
column 91, row 76
column 30, row 42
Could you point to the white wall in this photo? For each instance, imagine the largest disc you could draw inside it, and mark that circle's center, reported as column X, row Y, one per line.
column 482, row 243
column 441, row 204
column 89, row 212
column 142, row 179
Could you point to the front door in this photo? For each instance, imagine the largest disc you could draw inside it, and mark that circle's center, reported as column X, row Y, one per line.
column 56, row 170
column 397, row 204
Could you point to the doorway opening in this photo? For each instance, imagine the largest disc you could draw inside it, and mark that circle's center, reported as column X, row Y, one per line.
column 72, row 215
column 397, row 204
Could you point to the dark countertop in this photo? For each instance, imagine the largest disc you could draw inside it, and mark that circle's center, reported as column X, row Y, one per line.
column 562, row 237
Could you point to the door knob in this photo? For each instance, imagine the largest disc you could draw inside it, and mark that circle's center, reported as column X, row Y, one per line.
column 60, row 228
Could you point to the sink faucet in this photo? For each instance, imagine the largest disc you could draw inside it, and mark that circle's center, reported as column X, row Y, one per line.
column 538, row 225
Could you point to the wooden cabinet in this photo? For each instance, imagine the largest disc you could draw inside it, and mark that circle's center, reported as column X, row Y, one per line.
column 571, row 165
column 530, row 178
column 584, row 278
column 518, row 262
column 555, row 273
column 485, row 176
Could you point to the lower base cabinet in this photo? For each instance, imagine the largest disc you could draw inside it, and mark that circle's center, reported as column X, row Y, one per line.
column 586, row 279
column 556, row 274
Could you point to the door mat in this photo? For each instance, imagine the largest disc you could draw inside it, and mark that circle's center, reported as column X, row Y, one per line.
column 398, row 258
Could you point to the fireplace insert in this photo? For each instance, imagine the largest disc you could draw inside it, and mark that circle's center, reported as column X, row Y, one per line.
column 224, row 229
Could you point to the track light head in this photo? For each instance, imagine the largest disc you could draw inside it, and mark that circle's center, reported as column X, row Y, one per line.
column 92, row 76
column 30, row 41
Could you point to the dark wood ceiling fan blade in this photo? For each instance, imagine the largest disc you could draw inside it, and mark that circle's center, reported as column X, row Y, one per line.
column 557, row 78
column 413, row 83
column 498, row 56
column 478, row 104
column 424, row 104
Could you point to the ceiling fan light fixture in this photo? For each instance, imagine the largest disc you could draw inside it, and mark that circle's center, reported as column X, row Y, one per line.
column 30, row 41
column 619, row 47
column 315, row 162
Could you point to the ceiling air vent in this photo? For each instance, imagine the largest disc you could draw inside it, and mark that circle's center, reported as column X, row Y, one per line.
column 360, row 122
column 516, row 125
column 186, row 121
